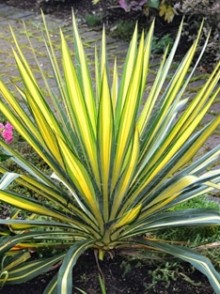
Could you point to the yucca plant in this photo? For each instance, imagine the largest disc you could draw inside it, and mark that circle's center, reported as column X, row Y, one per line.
column 119, row 159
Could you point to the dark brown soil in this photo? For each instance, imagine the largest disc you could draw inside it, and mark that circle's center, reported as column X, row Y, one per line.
column 110, row 11
column 59, row 8
column 124, row 276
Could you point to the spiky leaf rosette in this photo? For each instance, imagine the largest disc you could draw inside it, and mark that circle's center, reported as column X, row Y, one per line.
column 119, row 159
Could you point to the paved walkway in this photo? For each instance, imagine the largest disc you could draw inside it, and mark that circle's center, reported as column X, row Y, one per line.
column 15, row 18
column 10, row 16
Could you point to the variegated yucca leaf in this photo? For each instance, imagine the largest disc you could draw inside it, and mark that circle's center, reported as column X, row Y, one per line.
column 119, row 158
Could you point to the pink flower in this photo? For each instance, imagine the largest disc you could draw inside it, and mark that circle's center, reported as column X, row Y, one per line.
column 7, row 135
column 6, row 132
column 8, row 126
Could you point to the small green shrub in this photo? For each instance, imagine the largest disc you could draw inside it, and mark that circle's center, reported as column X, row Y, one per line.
column 93, row 20
column 160, row 45
column 123, row 29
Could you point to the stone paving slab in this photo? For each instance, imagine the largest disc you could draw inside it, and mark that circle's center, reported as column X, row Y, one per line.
column 14, row 17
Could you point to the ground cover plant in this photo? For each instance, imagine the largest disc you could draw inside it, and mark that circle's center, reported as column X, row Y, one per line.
column 119, row 160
